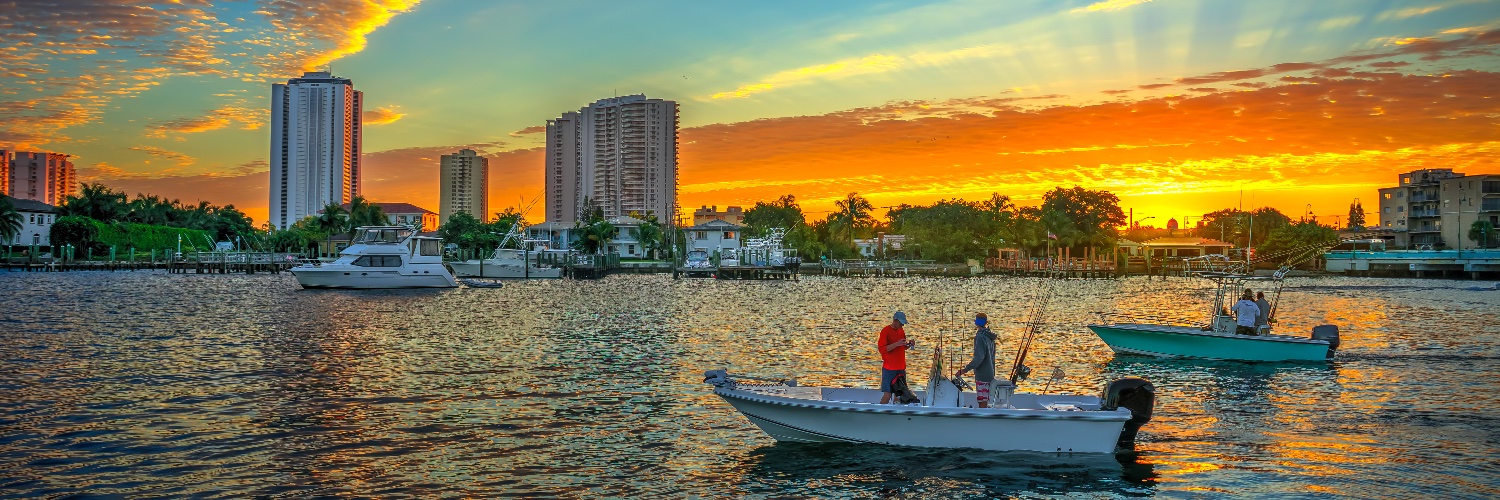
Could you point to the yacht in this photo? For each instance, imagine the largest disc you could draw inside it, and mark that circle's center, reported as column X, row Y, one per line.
column 382, row 257
column 516, row 257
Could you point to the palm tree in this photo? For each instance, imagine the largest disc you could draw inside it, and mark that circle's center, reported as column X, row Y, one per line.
column 95, row 201
column 333, row 220
column 10, row 220
column 853, row 212
column 364, row 213
column 650, row 236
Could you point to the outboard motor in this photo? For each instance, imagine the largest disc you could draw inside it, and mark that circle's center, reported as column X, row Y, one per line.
column 1329, row 333
column 1134, row 394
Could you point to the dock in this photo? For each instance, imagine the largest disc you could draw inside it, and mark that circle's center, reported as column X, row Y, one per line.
column 1471, row 264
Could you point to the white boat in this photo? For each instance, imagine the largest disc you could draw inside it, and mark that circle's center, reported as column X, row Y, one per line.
column 1018, row 422
column 381, row 257
column 514, row 258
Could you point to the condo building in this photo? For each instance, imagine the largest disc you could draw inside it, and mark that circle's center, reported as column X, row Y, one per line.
column 1435, row 208
column 45, row 177
column 315, row 145
column 464, row 179
column 618, row 154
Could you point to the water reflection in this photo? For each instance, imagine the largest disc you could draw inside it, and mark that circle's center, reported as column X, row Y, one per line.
column 213, row 385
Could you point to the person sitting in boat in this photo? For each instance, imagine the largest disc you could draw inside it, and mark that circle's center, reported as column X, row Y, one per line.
column 983, row 364
column 1245, row 312
column 893, row 345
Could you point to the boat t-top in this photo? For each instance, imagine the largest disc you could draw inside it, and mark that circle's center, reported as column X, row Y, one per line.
column 515, row 257
column 381, row 257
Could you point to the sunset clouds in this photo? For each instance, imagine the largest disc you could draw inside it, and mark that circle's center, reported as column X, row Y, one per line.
column 1177, row 106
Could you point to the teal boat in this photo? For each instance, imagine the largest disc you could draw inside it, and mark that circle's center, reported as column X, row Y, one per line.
column 1217, row 339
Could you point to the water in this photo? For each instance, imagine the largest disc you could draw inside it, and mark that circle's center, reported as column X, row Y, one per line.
column 154, row 384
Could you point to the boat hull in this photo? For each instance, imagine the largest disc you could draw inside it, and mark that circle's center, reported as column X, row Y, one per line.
column 472, row 269
column 1189, row 342
column 807, row 421
column 420, row 276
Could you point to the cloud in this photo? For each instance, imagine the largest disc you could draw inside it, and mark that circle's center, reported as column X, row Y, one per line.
column 182, row 160
column 248, row 118
column 875, row 63
column 315, row 33
column 534, row 129
column 1108, row 5
column 381, row 116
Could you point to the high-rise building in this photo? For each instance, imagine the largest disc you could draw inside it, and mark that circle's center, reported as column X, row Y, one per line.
column 315, row 145
column 4, row 172
column 619, row 154
column 464, row 179
column 44, row 177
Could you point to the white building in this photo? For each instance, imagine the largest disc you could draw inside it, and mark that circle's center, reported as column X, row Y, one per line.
column 714, row 236
column 619, row 153
column 36, row 223
column 315, row 145
column 464, row 179
column 627, row 240
column 43, row 177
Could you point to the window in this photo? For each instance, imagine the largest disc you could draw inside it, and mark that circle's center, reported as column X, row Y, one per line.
column 432, row 247
column 700, row 235
column 1387, row 196
column 33, row 218
column 728, row 235
column 1385, row 210
column 378, row 261
column 1400, row 209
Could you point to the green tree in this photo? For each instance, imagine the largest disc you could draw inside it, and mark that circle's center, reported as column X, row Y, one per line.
column 1083, row 217
column 946, row 231
column 650, row 236
column 1356, row 216
column 76, row 230
column 333, row 220
column 463, row 230
column 10, row 220
column 595, row 237
column 1483, row 232
column 851, row 214
column 363, row 213
column 1235, row 226
column 784, row 212
column 96, row 201
column 1294, row 244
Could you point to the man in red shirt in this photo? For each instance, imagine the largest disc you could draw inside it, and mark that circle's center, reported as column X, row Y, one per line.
column 893, row 345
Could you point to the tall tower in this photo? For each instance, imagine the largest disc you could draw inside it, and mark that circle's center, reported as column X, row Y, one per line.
column 464, row 179
column 4, row 172
column 315, row 145
column 44, row 177
column 619, row 153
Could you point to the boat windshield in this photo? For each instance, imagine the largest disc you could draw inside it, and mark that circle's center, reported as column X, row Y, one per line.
column 381, row 235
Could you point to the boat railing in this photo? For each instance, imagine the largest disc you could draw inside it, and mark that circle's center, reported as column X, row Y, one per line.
column 1115, row 318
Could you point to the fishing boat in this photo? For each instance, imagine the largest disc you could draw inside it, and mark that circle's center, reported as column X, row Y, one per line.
column 381, row 257
column 1216, row 339
column 515, row 257
column 944, row 415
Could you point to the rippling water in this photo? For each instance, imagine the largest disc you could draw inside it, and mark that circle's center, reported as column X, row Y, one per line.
column 137, row 383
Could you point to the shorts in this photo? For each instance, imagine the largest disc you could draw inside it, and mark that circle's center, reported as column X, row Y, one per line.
column 1245, row 330
column 982, row 391
column 887, row 377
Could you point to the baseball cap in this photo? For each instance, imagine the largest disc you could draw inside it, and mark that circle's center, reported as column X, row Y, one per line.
column 901, row 316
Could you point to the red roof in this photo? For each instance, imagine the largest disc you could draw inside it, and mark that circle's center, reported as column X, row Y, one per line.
column 398, row 208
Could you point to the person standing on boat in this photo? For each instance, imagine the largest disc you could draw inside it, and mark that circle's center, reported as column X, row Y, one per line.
column 983, row 364
column 1245, row 314
column 893, row 345
column 1264, row 317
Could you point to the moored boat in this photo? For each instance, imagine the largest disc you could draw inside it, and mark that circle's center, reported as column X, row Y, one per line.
column 514, row 258
column 381, row 257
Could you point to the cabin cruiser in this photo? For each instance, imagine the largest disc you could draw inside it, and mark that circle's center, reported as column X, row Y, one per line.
column 514, row 258
column 381, row 257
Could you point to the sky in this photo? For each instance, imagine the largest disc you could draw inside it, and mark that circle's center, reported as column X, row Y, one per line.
column 1178, row 107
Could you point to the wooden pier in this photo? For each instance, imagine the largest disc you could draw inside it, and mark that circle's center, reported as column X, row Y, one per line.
column 187, row 263
column 756, row 273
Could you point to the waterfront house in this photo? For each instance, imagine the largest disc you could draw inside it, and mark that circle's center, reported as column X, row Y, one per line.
column 627, row 240
column 406, row 214
column 881, row 246
column 714, row 236
column 1177, row 247
column 554, row 235
column 36, row 223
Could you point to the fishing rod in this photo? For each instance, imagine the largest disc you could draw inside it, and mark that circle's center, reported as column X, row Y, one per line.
column 1018, row 370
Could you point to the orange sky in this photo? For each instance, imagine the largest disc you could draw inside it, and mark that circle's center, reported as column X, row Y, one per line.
column 1180, row 108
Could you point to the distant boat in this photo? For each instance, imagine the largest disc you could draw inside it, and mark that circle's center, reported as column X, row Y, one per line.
column 514, row 258
column 476, row 283
column 1217, row 339
column 381, row 257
